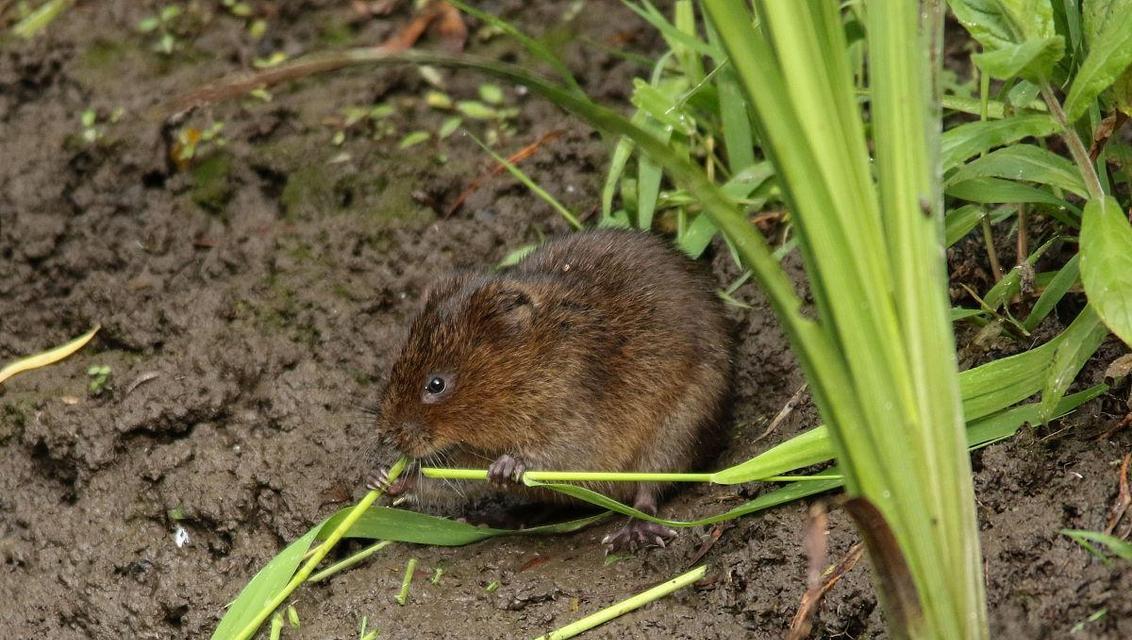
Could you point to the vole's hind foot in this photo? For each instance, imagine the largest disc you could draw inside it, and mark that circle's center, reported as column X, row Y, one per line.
column 507, row 470
column 638, row 534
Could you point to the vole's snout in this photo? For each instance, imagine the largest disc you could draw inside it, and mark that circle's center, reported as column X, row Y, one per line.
column 407, row 438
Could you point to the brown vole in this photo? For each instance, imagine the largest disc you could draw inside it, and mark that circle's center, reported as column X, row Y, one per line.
column 600, row 351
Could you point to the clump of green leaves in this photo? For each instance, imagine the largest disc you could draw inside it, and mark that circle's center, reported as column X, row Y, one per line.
column 99, row 375
column 163, row 25
column 490, row 109
column 191, row 142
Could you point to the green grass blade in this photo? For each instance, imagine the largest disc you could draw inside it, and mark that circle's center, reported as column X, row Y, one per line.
column 1066, row 277
column 535, row 47
column 1119, row 547
column 542, row 194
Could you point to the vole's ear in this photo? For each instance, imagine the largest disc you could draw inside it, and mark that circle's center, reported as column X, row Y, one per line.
column 512, row 304
column 445, row 286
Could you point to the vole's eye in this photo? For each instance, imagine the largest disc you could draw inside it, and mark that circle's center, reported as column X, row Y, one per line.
column 437, row 387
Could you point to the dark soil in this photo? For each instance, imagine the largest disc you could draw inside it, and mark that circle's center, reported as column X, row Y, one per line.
column 252, row 303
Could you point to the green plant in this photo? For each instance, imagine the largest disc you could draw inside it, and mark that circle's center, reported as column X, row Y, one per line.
column 163, row 24
column 99, row 377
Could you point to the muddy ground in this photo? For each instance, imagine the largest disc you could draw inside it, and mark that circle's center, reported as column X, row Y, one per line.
column 252, row 302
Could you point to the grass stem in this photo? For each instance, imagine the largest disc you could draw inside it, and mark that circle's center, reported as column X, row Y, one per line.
column 602, row 476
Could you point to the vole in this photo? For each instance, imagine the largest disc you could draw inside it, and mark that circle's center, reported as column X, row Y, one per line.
column 602, row 350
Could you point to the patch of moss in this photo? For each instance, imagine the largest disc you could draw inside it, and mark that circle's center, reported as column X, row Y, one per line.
column 212, row 182
column 308, row 192
column 336, row 33
column 13, row 418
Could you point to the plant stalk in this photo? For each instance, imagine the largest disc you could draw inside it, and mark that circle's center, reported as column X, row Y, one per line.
column 1073, row 141
column 604, row 476
column 349, row 562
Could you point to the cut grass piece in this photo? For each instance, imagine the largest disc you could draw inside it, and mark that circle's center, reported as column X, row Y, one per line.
column 625, row 606
column 402, row 597
column 47, row 357
column 38, row 20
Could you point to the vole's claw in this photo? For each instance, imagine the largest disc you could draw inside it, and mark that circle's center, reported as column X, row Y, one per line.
column 638, row 534
column 379, row 481
column 506, row 470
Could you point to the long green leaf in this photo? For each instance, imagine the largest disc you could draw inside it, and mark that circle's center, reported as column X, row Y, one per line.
column 1082, row 339
column 971, row 139
column 1065, row 278
column 1001, row 191
column 1106, row 264
column 1025, row 162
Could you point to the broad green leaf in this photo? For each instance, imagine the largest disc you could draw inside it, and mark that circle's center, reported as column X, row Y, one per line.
column 1001, row 191
column 1066, row 277
column 971, row 139
column 985, row 21
column 1082, row 339
column 1032, row 60
column 1106, row 264
column 1108, row 31
column 1025, row 162
column 1031, row 18
column 959, row 222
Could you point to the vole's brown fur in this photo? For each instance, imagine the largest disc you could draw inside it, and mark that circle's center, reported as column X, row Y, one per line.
column 600, row 351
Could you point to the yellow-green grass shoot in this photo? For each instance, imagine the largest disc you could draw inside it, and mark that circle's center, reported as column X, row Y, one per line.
column 626, row 605
column 350, row 561
column 402, row 596
column 47, row 357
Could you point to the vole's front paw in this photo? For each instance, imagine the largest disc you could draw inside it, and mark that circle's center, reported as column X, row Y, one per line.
column 507, row 470
column 379, row 481
column 638, row 534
